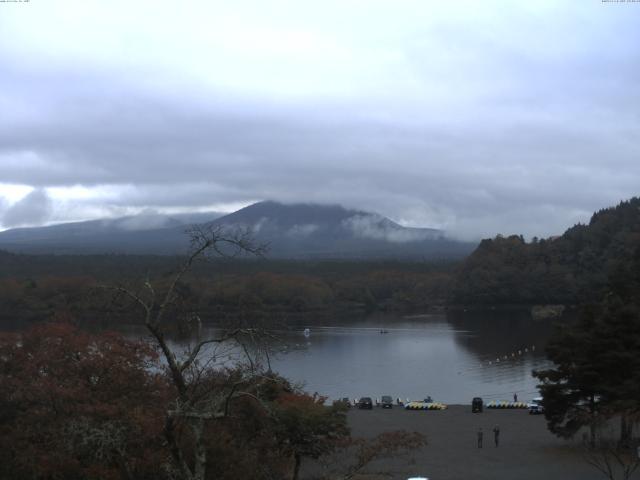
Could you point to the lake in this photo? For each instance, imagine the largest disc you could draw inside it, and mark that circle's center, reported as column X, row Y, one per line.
column 451, row 357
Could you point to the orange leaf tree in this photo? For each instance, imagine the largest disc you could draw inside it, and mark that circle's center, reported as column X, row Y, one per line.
column 79, row 405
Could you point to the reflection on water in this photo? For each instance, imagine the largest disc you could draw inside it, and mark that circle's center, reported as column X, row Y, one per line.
column 452, row 358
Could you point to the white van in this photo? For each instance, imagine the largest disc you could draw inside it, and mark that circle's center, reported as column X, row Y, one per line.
column 535, row 406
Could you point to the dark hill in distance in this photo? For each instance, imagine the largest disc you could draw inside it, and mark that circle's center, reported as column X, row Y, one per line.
column 138, row 234
column 297, row 219
column 570, row 269
column 292, row 231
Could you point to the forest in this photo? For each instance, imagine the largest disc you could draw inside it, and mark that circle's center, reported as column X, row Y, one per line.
column 36, row 287
column 565, row 270
column 569, row 269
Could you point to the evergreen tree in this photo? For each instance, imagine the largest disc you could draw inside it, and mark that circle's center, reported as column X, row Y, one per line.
column 597, row 366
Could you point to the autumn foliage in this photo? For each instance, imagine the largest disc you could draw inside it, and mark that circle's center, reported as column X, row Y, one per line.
column 77, row 405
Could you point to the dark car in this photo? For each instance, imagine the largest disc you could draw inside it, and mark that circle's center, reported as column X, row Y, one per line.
column 476, row 405
column 365, row 403
column 386, row 401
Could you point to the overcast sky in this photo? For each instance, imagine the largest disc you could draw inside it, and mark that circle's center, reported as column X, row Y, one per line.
column 476, row 117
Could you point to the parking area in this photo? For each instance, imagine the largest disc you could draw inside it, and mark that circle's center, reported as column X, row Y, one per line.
column 526, row 451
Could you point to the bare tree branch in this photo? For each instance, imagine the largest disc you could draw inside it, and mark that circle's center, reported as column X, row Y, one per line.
column 195, row 402
column 614, row 461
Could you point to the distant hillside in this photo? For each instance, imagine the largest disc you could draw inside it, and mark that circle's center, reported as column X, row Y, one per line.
column 566, row 270
column 292, row 231
column 138, row 234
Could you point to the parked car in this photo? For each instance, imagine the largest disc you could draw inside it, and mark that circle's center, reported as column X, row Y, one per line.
column 535, row 406
column 476, row 405
column 386, row 401
column 345, row 401
column 365, row 403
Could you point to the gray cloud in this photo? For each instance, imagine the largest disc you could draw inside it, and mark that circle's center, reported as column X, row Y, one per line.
column 374, row 227
column 470, row 121
column 147, row 220
column 3, row 207
column 34, row 209
column 303, row 230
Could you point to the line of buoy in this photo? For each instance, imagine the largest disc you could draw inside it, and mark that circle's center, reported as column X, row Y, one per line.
column 513, row 355
column 503, row 404
column 425, row 406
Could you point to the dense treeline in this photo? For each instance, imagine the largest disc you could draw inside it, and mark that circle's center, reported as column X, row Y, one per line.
column 569, row 269
column 34, row 288
column 566, row 270
column 594, row 382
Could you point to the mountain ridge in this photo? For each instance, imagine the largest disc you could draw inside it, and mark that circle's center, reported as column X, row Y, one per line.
column 302, row 230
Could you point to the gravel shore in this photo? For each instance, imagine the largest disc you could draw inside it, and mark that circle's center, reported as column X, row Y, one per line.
column 527, row 451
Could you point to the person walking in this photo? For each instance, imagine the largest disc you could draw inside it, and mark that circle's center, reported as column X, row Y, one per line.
column 515, row 397
column 496, row 435
column 480, row 437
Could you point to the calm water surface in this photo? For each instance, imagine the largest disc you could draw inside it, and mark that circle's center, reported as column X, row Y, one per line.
column 452, row 358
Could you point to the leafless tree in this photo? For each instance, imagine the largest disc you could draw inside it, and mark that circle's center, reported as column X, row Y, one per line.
column 615, row 460
column 197, row 401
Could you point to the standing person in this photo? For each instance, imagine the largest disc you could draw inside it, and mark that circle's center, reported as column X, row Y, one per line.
column 496, row 435
column 515, row 397
column 480, row 437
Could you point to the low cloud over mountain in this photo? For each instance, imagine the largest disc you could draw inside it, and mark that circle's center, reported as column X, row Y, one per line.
column 291, row 231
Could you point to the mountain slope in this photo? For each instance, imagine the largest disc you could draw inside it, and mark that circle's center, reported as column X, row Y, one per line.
column 144, row 233
column 332, row 231
column 292, row 231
